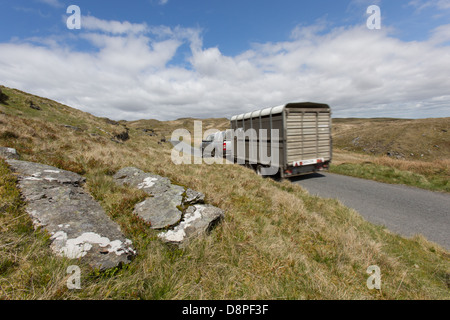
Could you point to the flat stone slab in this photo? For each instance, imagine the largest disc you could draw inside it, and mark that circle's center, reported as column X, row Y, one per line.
column 198, row 219
column 78, row 225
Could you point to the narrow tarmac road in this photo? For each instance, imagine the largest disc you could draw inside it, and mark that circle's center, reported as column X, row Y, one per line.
column 404, row 210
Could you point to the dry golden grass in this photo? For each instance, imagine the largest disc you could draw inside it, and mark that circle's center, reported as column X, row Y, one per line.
column 419, row 139
column 276, row 242
column 433, row 175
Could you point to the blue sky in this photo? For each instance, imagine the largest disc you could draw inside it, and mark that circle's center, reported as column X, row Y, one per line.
column 214, row 58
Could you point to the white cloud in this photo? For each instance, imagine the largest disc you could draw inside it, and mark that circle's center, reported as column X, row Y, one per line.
column 53, row 3
column 438, row 4
column 132, row 74
column 441, row 34
column 114, row 27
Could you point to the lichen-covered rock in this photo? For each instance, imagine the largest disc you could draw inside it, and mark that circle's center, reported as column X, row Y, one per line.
column 149, row 183
column 198, row 219
column 9, row 153
column 165, row 208
column 193, row 197
column 78, row 225
column 162, row 210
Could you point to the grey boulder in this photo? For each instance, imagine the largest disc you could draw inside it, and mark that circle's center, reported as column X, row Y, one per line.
column 166, row 206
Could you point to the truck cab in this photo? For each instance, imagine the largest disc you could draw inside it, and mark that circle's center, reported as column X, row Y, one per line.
column 215, row 142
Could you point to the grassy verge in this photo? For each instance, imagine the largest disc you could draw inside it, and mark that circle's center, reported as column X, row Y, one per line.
column 433, row 176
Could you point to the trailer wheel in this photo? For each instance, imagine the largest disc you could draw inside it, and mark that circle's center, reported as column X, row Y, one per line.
column 248, row 165
column 259, row 170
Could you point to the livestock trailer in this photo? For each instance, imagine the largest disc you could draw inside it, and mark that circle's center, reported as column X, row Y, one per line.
column 296, row 139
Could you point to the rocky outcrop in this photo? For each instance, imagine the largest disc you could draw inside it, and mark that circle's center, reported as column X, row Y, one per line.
column 3, row 98
column 78, row 225
column 33, row 106
column 122, row 136
column 178, row 209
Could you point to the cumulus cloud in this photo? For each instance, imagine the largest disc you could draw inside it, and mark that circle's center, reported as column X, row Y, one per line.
column 53, row 3
column 114, row 27
column 135, row 72
column 422, row 4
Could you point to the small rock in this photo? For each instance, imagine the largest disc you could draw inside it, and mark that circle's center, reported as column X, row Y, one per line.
column 9, row 153
column 73, row 128
column 193, row 197
column 116, row 141
column 35, row 107
column 197, row 220
column 355, row 141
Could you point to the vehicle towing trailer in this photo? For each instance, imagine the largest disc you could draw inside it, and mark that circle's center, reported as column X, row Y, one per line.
column 304, row 143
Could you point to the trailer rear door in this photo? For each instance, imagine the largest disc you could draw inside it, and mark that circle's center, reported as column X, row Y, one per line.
column 308, row 135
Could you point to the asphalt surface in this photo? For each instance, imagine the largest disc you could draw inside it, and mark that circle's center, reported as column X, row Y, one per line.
column 403, row 210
